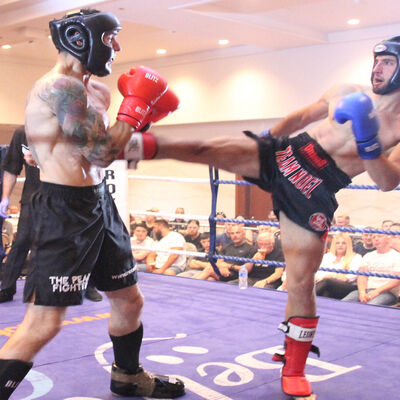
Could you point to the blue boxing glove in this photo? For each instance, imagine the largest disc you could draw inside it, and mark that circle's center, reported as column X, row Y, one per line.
column 358, row 108
column 265, row 133
column 4, row 207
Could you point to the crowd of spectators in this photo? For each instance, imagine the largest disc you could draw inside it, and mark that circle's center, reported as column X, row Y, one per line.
column 346, row 250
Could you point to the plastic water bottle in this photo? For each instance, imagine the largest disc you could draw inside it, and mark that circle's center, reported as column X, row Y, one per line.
column 243, row 277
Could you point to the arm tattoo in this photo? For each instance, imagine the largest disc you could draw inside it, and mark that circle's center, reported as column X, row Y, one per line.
column 79, row 122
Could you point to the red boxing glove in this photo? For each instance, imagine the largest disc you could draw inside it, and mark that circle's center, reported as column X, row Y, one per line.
column 167, row 104
column 141, row 88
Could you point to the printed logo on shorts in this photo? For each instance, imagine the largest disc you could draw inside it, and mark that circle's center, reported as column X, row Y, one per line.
column 318, row 222
column 68, row 284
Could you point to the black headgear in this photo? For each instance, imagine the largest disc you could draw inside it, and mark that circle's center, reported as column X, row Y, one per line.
column 81, row 34
column 390, row 47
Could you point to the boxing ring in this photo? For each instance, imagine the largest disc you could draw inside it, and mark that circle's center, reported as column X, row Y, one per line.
column 219, row 340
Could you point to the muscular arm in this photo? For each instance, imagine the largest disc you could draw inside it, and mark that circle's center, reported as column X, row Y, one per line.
column 234, row 154
column 314, row 112
column 385, row 171
column 9, row 181
column 301, row 118
column 82, row 124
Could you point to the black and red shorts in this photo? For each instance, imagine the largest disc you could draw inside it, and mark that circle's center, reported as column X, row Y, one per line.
column 78, row 233
column 302, row 179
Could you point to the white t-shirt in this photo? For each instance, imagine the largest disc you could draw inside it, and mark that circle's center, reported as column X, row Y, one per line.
column 147, row 243
column 173, row 239
column 136, row 245
column 328, row 262
column 387, row 263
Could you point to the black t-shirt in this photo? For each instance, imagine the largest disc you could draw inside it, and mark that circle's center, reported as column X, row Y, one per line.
column 262, row 271
column 14, row 161
column 245, row 250
column 196, row 242
column 360, row 249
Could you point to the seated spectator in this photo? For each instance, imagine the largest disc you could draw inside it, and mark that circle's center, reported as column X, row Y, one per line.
column 220, row 225
column 248, row 232
column 272, row 216
column 198, row 264
column 366, row 244
column 193, row 234
column 224, row 238
column 238, row 248
column 340, row 256
column 262, row 275
column 178, row 224
column 387, row 224
column 166, row 263
column 150, row 220
column 141, row 239
column 374, row 290
column 395, row 241
column 343, row 221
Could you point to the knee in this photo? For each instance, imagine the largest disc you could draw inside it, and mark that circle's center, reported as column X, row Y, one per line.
column 134, row 305
column 301, row 285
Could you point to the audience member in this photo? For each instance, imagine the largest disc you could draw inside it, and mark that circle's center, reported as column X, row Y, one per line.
column 224, row 238
column 160, row 262
column 387, row 224
column 374, row 290
column 343, row 221
column 262, row 275
column 366, row 244
column 193, row 234
column 150, row 220
column 178, row 224
column 139, row 241
column 272, row 217
column 238, row 248
column 340, row 256
column 395, row 240
column 248, row 232
column 220, row 225
column 198, row 264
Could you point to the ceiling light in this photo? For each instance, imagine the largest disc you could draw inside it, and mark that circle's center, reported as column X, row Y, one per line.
column 353, row 21
column 161, row 51
column 6, row 46
column 223, row 42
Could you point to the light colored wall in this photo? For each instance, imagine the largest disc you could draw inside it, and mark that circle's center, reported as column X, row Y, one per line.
column 245, row 90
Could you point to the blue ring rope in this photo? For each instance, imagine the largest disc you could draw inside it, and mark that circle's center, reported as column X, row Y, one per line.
column 212, row 256
column 214, row 178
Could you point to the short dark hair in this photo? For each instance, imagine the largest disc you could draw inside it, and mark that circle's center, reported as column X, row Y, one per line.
column 205, row 235
column 194, row 221
column 162, row 221
column 141, row 225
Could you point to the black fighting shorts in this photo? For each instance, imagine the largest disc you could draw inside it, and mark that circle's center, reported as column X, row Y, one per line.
column 302, row 179
column 77, row 233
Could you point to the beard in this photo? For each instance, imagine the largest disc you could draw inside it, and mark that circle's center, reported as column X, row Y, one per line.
column 380, row 90
column 158, row 235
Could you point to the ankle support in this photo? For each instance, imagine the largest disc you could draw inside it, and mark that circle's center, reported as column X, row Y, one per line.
column 12, row 372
